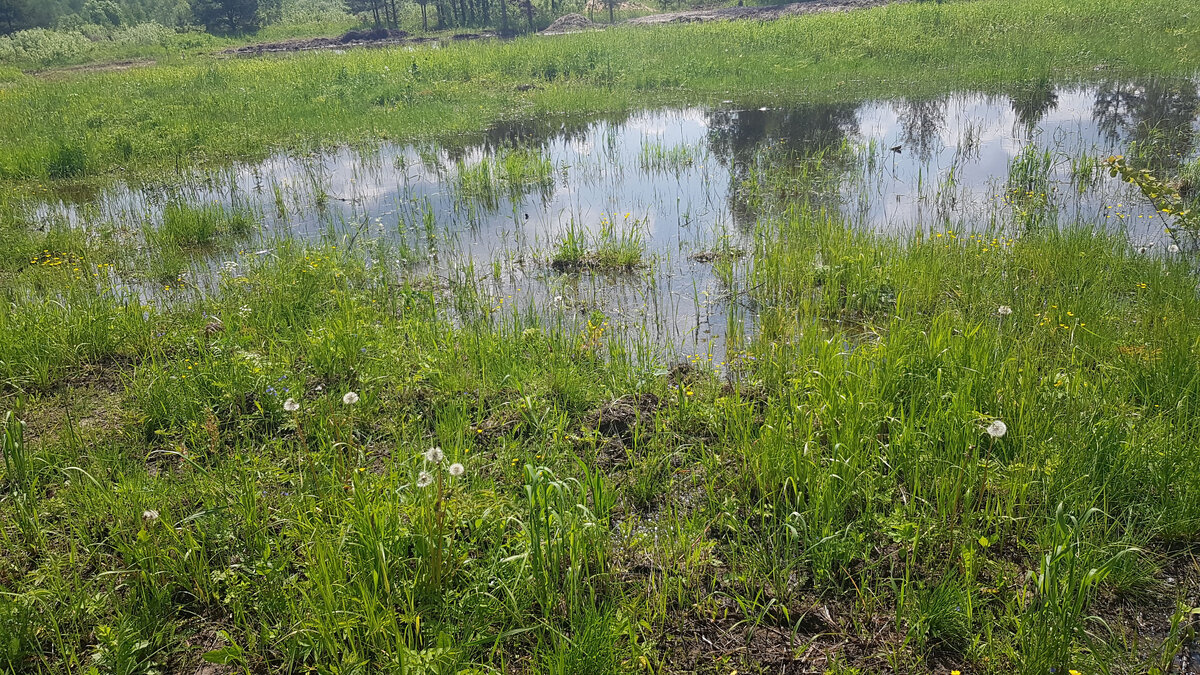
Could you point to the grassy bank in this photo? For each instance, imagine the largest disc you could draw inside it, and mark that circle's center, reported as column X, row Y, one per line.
column 940, row 452
column 152, row 120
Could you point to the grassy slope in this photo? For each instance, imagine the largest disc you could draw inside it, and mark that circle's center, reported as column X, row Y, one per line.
column 212, row 109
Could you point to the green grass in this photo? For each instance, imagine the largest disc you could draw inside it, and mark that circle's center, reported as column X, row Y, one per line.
column 186, row 477
column 187, row 226
column 511, row 172
column 846, row 466
column 151, row 120
column 616, row 247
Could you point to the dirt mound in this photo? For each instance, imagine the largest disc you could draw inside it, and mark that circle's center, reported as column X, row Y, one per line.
column 621, row 417
column 569, row 23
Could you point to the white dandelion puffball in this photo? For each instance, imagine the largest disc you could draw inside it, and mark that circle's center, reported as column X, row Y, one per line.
column 350, row 398
column 425, row 479
column 291, row 405
column 457, row 469
column 997, row 429
column 150, row 516
column 1004, row 310
column 1173, row 248
column 434, row 455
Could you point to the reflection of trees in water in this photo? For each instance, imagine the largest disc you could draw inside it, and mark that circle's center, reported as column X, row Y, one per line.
column 531, row 133
column 921, row 123
column 1031, row 101
column 1155, row 118
column 539, row 132
column 776, row 140
column 442, row 156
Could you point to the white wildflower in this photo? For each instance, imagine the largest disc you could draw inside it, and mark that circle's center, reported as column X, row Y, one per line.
column 350, row 398
column 457, row 469
column 1004, row 310
column 997, row 429
column 150, row 516
column 1173, row 248
column 291, row 405
column 434, row 455
column 425, row 479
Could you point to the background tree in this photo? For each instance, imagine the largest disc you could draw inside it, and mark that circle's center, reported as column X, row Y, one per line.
column 226, row 16
column 102, row 12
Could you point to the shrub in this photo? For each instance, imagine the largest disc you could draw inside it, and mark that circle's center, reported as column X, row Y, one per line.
column 43, row 46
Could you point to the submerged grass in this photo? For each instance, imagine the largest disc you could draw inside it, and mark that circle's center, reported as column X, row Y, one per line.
column 152, row 120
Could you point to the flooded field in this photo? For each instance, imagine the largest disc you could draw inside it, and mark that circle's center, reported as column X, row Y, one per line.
column 644, row 221
column 859, row 342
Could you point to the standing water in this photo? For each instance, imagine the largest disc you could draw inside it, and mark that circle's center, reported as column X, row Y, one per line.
column 641, row 221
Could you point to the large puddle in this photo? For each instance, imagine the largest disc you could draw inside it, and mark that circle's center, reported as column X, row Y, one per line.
column 679, row 183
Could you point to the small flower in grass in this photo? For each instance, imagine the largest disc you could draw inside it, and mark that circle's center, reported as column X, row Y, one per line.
column 434, row 455
column 150, row 516
column 1004, row 310
column 997, row 429
column 457, row 469
column 425, row 479
column 291, row 405
column 350, row 398
column 1173, row 248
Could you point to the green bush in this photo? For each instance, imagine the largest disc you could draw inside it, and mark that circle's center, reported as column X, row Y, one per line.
column 42, row 46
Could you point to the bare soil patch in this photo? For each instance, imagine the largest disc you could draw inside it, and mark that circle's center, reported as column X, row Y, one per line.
column 112, row 67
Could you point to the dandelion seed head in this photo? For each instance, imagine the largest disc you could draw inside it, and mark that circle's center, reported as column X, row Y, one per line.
column 434, row 455
column 457, row 469
column 1173, row 248
column 425, row 479
column 997, row 429
column 291, row 405
column 350, row 398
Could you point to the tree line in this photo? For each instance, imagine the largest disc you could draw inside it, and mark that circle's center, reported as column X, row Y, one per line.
column 225, row 17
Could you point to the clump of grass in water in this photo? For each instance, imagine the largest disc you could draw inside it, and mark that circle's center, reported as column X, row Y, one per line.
column 187, row 226
column 656, row 156
column 613, row 249
column 512, row 172
column 780, row 176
